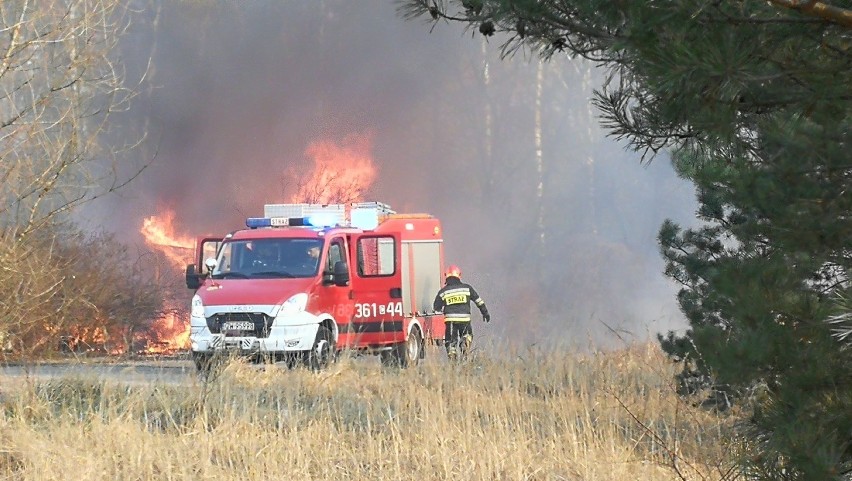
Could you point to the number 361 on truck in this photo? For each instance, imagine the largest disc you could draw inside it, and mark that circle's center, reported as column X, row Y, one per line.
column 306, row 281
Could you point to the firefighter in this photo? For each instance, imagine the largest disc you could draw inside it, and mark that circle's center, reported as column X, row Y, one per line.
column 313, row 254
column 454, row 301
column 264, row 255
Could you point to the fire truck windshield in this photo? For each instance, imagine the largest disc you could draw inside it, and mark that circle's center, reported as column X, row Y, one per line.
column 268, row 258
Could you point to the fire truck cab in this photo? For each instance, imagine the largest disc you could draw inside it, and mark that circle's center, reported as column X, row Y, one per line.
column 306, row 281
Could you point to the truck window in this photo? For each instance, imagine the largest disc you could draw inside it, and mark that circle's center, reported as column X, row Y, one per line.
column 225, row 259
column 336, row 253
column 269, row 258
column 208, row 249
column 376, row 256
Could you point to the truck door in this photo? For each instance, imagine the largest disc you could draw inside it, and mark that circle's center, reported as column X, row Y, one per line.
column 376, row 282
column 336, row 296
column 205, row 248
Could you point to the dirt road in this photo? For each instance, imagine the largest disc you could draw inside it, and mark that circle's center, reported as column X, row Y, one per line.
column 131, row 372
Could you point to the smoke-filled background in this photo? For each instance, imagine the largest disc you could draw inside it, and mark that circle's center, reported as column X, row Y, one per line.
column 551, row 221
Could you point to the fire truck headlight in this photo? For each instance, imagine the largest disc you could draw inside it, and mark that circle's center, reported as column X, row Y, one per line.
column 294, row 304
column 197, row 307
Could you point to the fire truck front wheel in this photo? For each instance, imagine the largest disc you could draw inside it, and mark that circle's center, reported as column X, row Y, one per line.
column 321, row 355
column 207, row 362
column 201, row 361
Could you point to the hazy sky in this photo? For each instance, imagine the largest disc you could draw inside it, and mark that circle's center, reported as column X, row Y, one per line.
column 238, row 90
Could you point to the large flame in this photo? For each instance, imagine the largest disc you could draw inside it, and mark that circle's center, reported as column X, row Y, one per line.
column 342, row 172
column 167, row 334
column 171, row 331
column 159, row 233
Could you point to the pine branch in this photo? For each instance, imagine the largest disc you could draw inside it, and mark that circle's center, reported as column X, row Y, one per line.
column 843, row 320
column 814, row 8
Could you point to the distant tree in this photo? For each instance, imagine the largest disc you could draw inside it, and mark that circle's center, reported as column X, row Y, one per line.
column 752, row 101
column 342, row 173
column 328, row 187
column 61, row 85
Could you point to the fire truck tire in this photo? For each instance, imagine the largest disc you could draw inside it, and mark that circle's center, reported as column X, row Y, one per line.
column 207, row 363
column 321, row 355
column 201, row 361
column 408, row 353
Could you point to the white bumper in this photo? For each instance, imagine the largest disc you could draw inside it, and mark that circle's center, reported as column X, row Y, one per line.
column 291, row 333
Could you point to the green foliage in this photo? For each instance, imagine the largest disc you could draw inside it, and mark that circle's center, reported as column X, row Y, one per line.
column 760, row 280
column 752, row 100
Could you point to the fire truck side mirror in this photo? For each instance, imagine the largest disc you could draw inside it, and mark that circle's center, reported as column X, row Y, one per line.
column 341, row 274
column 193, row 278
column 210, row 263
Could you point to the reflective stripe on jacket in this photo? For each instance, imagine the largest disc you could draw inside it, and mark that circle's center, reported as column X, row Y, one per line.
column 454, row 301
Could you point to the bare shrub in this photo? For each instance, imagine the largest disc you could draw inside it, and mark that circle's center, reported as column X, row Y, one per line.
column 78, row 291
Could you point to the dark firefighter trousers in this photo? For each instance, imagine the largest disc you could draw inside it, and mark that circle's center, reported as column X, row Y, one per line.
column 458, row 339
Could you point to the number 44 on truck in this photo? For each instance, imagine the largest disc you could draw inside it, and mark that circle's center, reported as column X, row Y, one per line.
column 307, row 281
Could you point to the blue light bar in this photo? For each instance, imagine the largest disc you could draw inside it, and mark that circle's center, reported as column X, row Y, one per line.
column 298, row 221
column 257, row 222
column 365, row 218
column 323, row 219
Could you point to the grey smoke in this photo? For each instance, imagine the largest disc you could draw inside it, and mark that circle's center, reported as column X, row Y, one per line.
column 239, row 89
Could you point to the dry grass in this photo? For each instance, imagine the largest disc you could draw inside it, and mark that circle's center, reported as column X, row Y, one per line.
column 539, row 416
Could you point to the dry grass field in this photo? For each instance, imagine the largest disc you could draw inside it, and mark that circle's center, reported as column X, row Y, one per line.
column 527, row 416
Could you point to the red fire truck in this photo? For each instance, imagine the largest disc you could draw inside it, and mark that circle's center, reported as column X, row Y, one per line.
column 306, row 281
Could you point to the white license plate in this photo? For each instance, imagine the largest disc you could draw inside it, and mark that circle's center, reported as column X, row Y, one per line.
column 238, row 326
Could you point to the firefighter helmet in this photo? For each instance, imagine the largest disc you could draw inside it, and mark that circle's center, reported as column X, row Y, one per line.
column 453, row 271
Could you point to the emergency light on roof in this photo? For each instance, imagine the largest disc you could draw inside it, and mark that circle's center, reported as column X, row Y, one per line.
column 362, row 215
column 256, row 222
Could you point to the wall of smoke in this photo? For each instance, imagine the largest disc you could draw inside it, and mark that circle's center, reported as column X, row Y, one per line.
column 561, row 244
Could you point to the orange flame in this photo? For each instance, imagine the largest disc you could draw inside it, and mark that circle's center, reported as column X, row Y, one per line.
column 171, row 331
column 159, row 233
column 91, row 339
column 342, row 173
